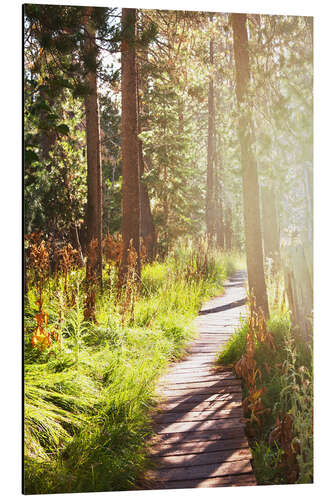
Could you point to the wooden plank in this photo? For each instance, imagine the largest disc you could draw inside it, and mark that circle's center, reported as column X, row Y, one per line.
column 211, row 378
column 204, row 349
column 204, row 363
column 204, row 390
column 204, row 406
column 209, row 337
column 210, row 342
column 203, row 471
column 214, row 333
column 234, row 480
column 219, row 321
column 200, row 357
column 207, row 364
column 204, row 384
column 203, row 398
column 223, row 424
column 210, row 371
column 207, row 348
column 200, row 438
column 184, row 377
column 206, row 458
column 189, row 372
column 206, row 435
column 193, row 416
column 198, row 447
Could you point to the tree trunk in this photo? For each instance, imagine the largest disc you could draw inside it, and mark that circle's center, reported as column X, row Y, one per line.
column 220, row 226
column 219, row 209
column 308, row 191
column 228, row 228
column 254, row 253
column 147, row 225
column 74, row 236
column 94, row 175
column 210, row 148
column 271, row 234
column 130, row 145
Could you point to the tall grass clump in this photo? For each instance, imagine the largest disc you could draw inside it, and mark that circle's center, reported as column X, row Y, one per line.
column 90, row 387
column 275, row 366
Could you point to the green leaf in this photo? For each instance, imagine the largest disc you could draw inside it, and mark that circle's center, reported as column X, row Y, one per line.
column 30, row 156
column 63, row 129
column 40, row 106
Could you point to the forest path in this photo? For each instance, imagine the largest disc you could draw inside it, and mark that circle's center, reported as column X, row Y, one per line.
column 200, row 439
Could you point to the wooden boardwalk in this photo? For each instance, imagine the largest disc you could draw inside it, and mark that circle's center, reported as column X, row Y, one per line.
column 200, row 439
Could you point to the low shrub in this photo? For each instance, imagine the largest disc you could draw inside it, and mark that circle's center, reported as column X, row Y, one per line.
column 276, row 372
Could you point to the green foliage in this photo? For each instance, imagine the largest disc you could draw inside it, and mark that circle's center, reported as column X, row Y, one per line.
column 297, row 397
column 286, row 375
column 234, row 348
column 266, row 461
column 89, row 398
column 282, row 86
column 55, row 170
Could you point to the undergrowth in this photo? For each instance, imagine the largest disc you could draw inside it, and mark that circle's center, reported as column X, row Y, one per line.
column 276, row 371
column 90, row 386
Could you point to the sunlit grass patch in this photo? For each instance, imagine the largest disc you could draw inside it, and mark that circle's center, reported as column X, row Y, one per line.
column 90, row 396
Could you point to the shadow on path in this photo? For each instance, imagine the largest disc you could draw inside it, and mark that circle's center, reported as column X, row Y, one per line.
column 231, row 305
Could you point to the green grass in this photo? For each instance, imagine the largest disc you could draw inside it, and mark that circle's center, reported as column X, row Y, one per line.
column 234, row 348
column 287, row 378
column 90, row 397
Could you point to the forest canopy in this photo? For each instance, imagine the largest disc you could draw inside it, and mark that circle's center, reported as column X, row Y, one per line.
column 163, row 151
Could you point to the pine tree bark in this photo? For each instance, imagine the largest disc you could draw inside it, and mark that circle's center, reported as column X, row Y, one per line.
column 253, row 240
column 131, row 220
column 210, row 148
column 228, row 228
column 94, row 173
column 219, row 216
column 220, row 227
column 271, row 233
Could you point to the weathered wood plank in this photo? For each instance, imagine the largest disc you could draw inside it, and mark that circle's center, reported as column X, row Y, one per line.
column 199, row 415
column 201, row 398
column 183, row 378
column 198, row 447
column 207, row 435
column 223, row 424
column 204, row 349
column 198, row 406
column 203, row 390
column 200, row 438
column 202, row 471
column 205, row 384
column 206, row 458
column 234, row 480
column 204, row 372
